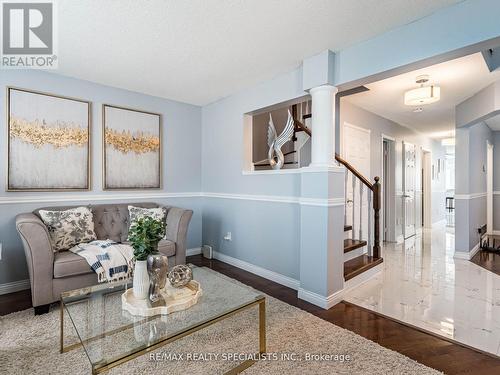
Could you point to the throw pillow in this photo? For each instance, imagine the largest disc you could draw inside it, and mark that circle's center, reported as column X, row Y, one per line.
column 69, row 227
column 137, row 213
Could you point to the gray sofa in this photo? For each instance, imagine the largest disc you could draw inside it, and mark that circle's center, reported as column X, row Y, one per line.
column 53, row 273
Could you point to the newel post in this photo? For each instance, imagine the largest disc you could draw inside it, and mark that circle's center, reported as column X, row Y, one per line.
column 376, row 210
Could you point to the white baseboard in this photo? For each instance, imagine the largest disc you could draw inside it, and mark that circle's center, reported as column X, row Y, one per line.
column 319, row 300
column 193, row 251
column 466, row 255
column 265, row 273
column 14, row 286
column 495, row 232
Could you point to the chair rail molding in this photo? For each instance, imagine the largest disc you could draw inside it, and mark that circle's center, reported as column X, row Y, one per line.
column 11, row 199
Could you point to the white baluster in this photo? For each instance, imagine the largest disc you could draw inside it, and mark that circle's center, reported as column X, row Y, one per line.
column 346, row 177
column 361, row 189
column 353, row 201
column 370, row 213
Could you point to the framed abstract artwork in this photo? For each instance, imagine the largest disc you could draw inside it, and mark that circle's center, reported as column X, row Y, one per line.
column 48, row 142
column 132, row 148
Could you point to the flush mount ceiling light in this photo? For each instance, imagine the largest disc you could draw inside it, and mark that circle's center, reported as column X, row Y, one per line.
column 448, row 142
column 423, row 94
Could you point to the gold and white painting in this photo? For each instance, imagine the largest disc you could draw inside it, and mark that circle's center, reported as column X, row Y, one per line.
column 48, row 142
column 132, row 148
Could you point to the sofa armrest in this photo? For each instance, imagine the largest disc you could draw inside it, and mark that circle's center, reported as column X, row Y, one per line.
column 39, row 257
column 177, row 225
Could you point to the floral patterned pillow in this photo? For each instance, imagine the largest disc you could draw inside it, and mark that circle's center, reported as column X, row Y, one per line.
column 137, row 213
column 69, row 227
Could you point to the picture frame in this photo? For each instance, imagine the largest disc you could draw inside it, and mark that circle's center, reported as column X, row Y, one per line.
column 48, row 141
column 132, row 142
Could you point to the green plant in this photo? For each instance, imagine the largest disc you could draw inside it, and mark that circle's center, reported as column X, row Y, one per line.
column 144, row 236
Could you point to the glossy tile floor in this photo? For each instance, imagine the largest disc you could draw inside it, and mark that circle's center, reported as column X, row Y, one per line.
column 423, row 285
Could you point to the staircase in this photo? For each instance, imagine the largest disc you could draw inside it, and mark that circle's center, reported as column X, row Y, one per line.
column 362, row 238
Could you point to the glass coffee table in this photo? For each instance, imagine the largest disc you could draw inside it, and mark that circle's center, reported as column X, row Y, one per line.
column 111, row 336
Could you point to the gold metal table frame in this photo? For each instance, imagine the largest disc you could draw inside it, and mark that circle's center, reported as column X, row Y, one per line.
column 100, row 368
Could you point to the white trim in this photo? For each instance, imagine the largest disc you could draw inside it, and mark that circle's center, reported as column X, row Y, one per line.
column 280, row 199
column 254, row 197
column 127, row 197
column 14, row 286
column 388, row 137
column 272, row 171
column 418, row 231
column 323, row 168
column 331, row 202
column 319, row 300
column 470, row 196
column 496, row 192
column 466, row 255
column 10, row 199
column 193, row 251
column 495, row 232
column 363, row 277
column 400, row 239
column 262, row 272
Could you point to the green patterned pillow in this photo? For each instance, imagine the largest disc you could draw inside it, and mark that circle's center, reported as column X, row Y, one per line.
column 69, row 227
column 137, row 213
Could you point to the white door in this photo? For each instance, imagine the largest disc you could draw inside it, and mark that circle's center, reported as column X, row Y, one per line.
column 409, row 177
column 356, row 150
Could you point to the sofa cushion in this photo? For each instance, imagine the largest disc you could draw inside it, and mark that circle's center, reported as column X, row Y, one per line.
column 69, row 227
column 136, row 213
column 67, row 264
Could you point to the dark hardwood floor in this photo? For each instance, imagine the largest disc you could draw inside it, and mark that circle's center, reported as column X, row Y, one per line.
column 488, row 260
column 435, row 352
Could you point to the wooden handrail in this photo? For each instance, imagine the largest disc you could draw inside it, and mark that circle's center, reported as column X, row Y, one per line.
column 375, row 188
column 354, row 171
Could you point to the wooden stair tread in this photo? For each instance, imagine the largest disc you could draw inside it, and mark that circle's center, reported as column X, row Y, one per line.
column 358, row 265
column 347, row 228
column 350, row 244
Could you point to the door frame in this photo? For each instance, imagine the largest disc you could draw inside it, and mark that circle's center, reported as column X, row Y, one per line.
column 426, row 187
column 388, row 206
column 489, row 187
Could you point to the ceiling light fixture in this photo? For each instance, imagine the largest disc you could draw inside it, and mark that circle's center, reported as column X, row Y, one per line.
column 448, row 142
column 423, row 94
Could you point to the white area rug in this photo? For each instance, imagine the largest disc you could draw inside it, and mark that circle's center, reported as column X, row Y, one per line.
column 30, row 345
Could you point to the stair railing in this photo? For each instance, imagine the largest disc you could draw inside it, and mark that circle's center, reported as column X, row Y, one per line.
column 373, row 202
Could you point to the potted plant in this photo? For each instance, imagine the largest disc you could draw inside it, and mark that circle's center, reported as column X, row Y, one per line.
column 144, row 236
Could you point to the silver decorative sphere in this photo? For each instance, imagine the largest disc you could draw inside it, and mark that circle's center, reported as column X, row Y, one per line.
column 180, row 275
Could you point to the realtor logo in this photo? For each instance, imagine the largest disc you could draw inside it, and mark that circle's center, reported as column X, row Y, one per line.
column 28, row 31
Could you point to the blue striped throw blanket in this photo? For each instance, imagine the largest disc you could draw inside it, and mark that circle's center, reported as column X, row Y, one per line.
column 111, row 261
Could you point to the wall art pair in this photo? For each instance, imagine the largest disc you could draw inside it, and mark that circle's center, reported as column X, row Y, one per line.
column 49, row 144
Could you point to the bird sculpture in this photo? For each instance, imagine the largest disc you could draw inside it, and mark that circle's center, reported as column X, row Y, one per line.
column 275, row 142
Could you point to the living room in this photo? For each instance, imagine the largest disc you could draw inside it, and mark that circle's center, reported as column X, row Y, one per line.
column 139, row 229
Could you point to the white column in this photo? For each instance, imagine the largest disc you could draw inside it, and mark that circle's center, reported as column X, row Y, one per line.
column 323, row 125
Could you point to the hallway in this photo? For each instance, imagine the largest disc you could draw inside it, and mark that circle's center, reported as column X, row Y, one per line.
column 424, row 286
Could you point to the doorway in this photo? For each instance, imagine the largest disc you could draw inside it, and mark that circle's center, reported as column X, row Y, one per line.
column 388, row 189
column 409, row 187
column 426, row 174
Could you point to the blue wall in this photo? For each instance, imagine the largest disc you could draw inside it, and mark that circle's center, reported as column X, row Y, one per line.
column 181, row 159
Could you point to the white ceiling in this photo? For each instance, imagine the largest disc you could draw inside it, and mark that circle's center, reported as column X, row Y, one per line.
column 198, row 51
column 459, row 79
